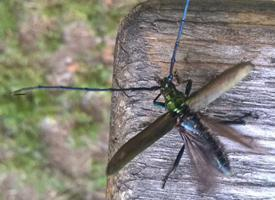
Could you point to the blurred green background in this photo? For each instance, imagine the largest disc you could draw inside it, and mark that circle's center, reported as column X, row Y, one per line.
column 54, row 145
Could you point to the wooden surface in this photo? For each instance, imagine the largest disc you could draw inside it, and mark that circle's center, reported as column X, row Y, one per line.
column 218, row 35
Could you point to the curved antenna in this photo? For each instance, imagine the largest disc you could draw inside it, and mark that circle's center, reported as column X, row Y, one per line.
column 173, row 58
column 26, row 90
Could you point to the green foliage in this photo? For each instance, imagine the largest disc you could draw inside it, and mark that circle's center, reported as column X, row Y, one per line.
column 51, row 40
column 7, row 18
column 98, row 176
column 21, row 116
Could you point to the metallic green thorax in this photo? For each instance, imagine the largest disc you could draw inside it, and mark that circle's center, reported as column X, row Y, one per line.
column 174, row 99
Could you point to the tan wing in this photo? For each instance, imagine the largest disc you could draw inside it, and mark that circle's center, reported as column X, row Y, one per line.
column 140, row 142
column 221, row 84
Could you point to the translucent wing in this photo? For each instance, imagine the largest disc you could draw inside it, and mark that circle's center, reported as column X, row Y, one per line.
column 140, row 142
column 230, row 133
column 205, row 150
column 204, row 169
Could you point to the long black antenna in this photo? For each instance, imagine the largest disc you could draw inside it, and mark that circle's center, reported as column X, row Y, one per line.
column 173, row 59
column 25, row 90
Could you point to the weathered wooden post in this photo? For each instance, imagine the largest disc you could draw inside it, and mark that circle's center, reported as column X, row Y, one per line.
column 218, row 35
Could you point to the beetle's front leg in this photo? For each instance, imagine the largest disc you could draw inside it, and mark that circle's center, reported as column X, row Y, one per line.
column 158, row 103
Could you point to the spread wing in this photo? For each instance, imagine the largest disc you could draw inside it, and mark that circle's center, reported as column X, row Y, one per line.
column 230, row 133
column 205, row 150
column 141, row 141
column 205, row 171
column 219, row 85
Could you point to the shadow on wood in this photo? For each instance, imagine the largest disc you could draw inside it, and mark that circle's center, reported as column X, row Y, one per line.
column 218, row 35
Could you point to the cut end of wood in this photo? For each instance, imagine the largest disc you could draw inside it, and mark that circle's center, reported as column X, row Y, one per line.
column 217, row 35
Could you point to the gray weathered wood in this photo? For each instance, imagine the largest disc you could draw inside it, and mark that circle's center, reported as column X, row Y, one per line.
column 218, row 35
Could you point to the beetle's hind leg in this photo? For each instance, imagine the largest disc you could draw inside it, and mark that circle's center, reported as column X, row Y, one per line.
column 241, row 120
column 175, row 164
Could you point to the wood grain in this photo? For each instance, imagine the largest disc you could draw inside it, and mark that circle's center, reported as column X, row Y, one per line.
column 218, row 35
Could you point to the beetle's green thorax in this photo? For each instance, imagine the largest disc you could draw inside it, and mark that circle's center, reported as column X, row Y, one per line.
column 174, row 99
